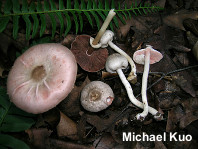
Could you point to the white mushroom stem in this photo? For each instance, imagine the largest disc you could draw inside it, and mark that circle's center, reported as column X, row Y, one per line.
column 132, row 98
column 144, row 85
column 104, row 26
column 132, row 75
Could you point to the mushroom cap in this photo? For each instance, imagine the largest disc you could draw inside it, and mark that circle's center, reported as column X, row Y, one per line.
column 96, row 96
column 91, row 62
column 155, row 56
column 115, row 62
column 106, row 37
column 42, row 77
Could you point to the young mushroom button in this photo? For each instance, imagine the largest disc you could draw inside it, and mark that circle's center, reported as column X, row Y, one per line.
column 146, row 57
column 42, row 77
column 96, row 96
column 117, row 62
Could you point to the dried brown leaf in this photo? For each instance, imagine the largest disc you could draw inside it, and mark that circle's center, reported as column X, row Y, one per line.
column 66, row 127
column 71, row 105
column 39, row 136
column 176, row 20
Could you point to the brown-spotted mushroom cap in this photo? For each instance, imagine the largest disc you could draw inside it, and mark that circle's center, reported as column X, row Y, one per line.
column 155, row 56
column 96, row 96
column 42, row 77
column 90, row 59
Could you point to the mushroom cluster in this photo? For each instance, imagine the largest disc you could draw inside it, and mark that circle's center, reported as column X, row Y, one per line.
column 106, row 40
column 117, row 62
column 42, row 77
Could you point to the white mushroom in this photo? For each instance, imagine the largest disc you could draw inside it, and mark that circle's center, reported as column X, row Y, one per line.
column 106, row 40
column 117, row 62
column 96, row 96
column 95, row 41
column 146, row 57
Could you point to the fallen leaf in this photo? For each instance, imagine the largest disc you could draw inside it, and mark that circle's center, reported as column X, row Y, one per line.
column 105, row 141
column 38, row 137
column 71, row 105
column 174, row 116
column 67, row 127
column 60, row 144
column 176, row 20
column 185, row 81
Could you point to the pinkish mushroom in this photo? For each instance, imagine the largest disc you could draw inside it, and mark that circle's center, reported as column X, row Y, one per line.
column 146, row 57
column 96, row 96
column 42, row 77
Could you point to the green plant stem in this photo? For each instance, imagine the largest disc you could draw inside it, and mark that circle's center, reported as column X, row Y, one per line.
column 75, row 10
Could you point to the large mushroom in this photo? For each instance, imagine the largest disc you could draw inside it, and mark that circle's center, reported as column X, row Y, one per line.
column 146, row 57
column 42, row 77
column 91, row 58
column 96, row 96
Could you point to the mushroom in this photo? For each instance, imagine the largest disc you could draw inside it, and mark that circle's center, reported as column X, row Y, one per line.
column 88, row 58
column 146, row 57
column 106, row 40
column 42, row 77
column 117, row 62
column 96, row 96
column 91, row 58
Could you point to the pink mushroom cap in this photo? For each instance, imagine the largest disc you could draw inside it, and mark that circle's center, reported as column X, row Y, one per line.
column 155, row 56
column 42, row 77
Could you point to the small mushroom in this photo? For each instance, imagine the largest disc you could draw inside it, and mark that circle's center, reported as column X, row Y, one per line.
column 117, row 62
column 106, row 40
column 42, row 77
column 91, row 58
column 146, row 57
column 96, row 96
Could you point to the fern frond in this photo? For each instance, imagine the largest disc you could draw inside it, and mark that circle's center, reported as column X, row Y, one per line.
column 35, row 13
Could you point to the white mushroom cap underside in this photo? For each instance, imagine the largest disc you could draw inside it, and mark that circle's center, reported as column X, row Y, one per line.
column 139, row 56
column 37, row 97
column 99, row 104
column 115, row 62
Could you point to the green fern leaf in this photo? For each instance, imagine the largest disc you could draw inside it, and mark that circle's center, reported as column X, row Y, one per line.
column 59, row 15
column 69, row 4
column 69, row 24
column 89, row 4
column 42, row 18
column 15, row 26
column 96, row 19
column 76, row 21
column 26, row 18
column 7, row 141
column 52, row 18
column 7, row 7
column 81, row 21
column 75, row 10
column 88, row 17
column 3, row 23
column 119, row 15
column 28, row 26
column 35, row 19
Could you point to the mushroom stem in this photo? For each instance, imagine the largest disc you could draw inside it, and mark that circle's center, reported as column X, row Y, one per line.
column 132, row 98
column 132, row 75
column 144, row 86
column 104, row 26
